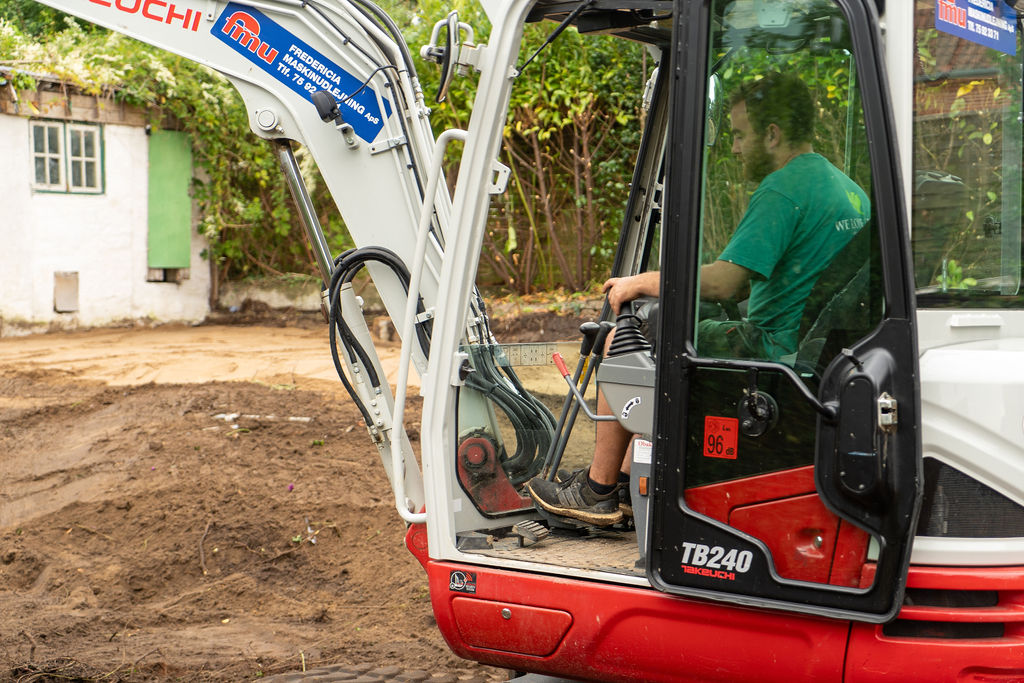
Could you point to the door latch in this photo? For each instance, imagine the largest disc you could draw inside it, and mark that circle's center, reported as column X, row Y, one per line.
column 888, row 417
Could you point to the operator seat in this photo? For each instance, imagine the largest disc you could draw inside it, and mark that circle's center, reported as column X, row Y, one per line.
column 839, row 310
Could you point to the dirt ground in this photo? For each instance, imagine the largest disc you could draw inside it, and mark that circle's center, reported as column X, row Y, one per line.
column 200, row 503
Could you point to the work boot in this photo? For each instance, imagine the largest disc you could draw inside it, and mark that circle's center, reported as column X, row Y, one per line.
column 575, row 499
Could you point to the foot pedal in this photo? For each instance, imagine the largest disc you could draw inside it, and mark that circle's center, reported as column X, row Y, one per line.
column 530, row 532
column 474, row 540
column 559, row 522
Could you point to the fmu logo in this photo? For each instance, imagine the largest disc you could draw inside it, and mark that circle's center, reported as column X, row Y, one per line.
column 244, row 29
column 299, row 66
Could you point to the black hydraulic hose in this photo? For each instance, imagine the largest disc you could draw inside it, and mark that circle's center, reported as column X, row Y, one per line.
column 348, row 339
column 532, row 421
column 395, row 32
column 346, row 266
column 519, row 465
column 351, row 344
column 348, row 41
column 345, row 382
column 539, row 424
column 542, row 410
column 506, row 401
column 354, row 261
column 409, row 64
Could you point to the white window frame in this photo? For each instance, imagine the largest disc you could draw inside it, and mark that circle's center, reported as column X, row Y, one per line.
column 66, row 182
column 47, row 154
column 96, row 159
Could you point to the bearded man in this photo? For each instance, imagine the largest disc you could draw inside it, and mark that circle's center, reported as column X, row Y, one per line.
column 804, row 211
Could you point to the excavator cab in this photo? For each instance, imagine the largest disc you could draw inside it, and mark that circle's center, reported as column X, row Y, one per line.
column 790, row 477
column 787, row 481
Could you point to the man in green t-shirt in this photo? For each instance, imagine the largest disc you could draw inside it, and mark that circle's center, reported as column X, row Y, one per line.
column 803, row 213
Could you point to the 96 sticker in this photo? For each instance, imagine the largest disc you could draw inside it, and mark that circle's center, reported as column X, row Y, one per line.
column 721, row 436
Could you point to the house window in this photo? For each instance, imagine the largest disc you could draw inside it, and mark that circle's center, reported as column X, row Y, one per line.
column 67, row 157
column 47, row 155
column 83, row 158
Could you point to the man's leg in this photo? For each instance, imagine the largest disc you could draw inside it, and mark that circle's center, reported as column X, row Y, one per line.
column 595, row 501
column 610, row 447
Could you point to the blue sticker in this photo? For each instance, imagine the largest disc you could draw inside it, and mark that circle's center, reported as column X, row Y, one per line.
column 269, row 46
column 991, row 23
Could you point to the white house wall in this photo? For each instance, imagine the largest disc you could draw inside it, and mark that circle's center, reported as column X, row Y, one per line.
column 101, row 237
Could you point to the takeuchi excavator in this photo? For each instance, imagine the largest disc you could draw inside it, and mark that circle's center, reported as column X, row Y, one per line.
column 853, row 511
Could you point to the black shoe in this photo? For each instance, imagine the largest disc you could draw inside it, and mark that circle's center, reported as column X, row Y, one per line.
column 575, row 499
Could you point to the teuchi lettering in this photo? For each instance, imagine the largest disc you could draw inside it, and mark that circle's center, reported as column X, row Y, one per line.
column 153, row 10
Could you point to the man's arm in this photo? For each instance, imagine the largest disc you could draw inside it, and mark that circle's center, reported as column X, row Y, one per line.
column 719, row 280
column 723, row 280
column 622, row 290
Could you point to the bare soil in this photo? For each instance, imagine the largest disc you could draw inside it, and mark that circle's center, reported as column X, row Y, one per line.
column 201, row 504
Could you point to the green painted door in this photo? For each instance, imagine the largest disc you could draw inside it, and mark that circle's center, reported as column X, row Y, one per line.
column 170, row 204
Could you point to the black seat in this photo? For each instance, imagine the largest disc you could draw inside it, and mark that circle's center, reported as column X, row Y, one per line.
column 839, row 308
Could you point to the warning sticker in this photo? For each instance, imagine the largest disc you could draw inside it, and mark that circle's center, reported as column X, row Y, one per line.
column 297, row 65
column 991, row 23
column 642, row 451
column 721, row 435
column 462, row 582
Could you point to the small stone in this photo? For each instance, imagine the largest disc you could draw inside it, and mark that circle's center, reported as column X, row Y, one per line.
column 385, row 671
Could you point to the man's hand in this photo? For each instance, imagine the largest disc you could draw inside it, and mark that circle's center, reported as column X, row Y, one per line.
column 621, row 290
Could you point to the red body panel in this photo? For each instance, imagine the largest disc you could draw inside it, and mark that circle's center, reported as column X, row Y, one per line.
column 807, row 541
column 620, row 633
column 804, row 538
column 509, row 626
column 874, row 656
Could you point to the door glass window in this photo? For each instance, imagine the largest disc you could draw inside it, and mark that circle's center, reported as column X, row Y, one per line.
column 786, row 229
column 789, row 274
column 966, row 193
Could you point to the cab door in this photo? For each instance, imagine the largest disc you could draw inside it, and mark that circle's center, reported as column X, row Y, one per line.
column 787, row 466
